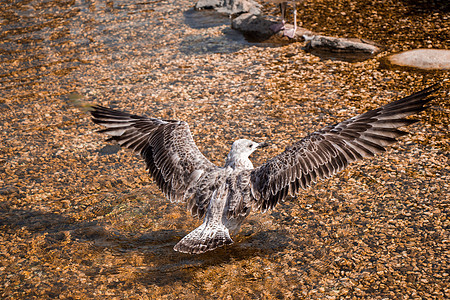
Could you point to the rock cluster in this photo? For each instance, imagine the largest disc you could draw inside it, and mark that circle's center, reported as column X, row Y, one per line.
column 257, row 27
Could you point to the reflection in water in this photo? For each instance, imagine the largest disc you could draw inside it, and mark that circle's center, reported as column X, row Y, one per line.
column 204, row 18
column 37, row 42
column 44, row 40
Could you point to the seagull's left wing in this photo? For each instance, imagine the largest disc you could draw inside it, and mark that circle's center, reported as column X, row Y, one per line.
column 167, row 146
column 328, row 151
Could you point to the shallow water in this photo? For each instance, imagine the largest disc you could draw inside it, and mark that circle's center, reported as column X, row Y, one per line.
column 81, row 218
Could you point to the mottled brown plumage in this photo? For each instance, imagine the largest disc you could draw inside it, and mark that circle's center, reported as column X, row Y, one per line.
column 224, row 196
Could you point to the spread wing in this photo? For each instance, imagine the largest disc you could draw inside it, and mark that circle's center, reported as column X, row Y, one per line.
column 169, row 151
column 328, row 151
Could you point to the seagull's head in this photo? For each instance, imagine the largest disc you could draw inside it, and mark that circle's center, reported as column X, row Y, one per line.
column 239, row 153
column 244, row 148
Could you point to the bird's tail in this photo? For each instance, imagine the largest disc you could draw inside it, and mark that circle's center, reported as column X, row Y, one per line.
column 204, row 238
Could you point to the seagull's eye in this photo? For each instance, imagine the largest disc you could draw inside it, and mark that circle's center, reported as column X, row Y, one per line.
column 250, row 145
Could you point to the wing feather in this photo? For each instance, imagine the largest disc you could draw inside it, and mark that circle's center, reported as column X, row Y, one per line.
column 169, row 151
column 330, row 150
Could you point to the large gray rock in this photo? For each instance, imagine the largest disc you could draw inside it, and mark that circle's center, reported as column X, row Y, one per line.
column 257, row 27
column 230, row 7
column 335, row 44
column 427, row 59
column 253, row 26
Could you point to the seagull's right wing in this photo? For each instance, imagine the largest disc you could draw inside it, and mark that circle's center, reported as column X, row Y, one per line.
column 172, row 157
column 328, row 151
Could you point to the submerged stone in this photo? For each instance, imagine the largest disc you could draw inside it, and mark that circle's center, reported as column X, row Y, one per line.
column 427, row 59
column 109, row 149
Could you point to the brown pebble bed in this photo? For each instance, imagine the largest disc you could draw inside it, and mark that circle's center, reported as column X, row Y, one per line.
column 81, row 219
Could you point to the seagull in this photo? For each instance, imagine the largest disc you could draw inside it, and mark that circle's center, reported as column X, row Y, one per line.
column 280, row 26
column 224, row 196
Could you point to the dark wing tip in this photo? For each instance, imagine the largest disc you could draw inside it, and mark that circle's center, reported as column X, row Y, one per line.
column 420, row 96
column 364, row 135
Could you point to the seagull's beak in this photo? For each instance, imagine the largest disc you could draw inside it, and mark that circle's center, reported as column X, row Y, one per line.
column 262, row 145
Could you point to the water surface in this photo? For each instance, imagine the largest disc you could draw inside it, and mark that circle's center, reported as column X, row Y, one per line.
column 82, row 219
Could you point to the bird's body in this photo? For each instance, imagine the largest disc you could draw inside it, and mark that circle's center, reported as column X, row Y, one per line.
column 224, row 196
